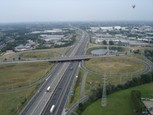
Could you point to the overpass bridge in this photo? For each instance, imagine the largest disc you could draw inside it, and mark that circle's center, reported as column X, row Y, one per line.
column 68, row 59
column 54, row 60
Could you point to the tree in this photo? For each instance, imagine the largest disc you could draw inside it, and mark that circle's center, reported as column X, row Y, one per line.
column 111, row 43
column 137, row 51
column 19, row 58
column 146, row 78
column 13, row 59
column 105, row 42
column 136, row 101
column 5, row 59
column 81, row 108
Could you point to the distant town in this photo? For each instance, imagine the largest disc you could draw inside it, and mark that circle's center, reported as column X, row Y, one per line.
column 122, row 35
column 26, row 37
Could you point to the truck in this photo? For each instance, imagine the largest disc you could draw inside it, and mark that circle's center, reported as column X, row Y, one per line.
column 48, row 88
column 52, row 108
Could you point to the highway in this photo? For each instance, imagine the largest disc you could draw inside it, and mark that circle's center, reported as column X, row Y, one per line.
column 60, row 81
column 59, row 98
column 35, row 100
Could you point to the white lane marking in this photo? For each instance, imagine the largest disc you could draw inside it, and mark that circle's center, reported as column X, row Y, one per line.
column 38, row 104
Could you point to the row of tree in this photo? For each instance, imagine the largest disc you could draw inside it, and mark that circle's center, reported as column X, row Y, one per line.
column 110, row 42
column 149, row 54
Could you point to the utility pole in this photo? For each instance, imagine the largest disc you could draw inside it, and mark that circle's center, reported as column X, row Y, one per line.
column 104, row 97
column 108, row 48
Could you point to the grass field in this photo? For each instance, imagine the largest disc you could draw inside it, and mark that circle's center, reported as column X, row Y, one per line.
column 114, row 65
column 39, row 54
column 12, row 102
column 140, row 48
column 90, row 45
column 42, row 53
column 76, row 90
column 118, row 103
column 96, row 80
column 9, row 57
column 22, row 74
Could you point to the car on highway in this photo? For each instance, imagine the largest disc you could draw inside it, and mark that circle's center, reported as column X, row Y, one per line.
column 52, row 109
column 48, row 89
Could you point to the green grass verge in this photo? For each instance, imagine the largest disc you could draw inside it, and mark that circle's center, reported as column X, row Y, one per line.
column 12, row 102
column 118, row 103
column 22, row 74
column 76, row 90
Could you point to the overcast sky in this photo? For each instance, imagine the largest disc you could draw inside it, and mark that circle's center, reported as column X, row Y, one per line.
column 75, row 10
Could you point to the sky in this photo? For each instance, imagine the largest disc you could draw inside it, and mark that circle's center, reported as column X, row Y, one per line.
column 75, row 10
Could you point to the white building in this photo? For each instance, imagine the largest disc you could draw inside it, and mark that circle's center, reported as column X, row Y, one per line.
column 51, row 37
column 110, row 28
column 94, row 29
